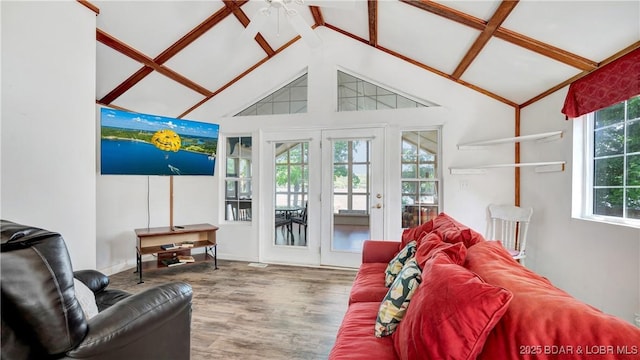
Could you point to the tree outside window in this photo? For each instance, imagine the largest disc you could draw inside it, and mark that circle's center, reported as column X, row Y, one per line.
column 616, row 160
column 292, row 173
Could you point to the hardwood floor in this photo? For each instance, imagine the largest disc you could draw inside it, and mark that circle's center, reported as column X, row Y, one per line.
column 246, row 312
column 345, row 237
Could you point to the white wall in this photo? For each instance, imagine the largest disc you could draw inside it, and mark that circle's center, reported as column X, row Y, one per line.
column 465, row 115
column 597, row 263
column 48, row 129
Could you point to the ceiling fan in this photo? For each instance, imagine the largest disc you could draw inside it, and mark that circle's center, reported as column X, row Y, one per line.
column 274, row 7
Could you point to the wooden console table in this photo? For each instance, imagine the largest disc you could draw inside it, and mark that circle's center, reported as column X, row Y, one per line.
column 150, row 240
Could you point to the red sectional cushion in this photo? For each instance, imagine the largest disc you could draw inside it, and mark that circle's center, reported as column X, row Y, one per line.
column 355, row 339
column 450, row 315
column 432, row 243
column 414, row 233
column 369, row 284
column 544, row 321
column 453, row 231
column 449, row 229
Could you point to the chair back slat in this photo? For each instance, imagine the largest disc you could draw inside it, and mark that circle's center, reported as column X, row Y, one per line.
column 510, row 224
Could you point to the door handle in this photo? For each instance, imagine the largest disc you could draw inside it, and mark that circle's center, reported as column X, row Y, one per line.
column 377, row 206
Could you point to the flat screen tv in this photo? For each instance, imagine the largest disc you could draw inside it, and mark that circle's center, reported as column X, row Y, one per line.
column 143, row 144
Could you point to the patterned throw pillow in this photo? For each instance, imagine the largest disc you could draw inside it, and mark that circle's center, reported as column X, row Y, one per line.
column 395, row 303
column 398, row 261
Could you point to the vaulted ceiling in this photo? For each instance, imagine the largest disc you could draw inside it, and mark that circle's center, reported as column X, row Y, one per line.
column 516, row 52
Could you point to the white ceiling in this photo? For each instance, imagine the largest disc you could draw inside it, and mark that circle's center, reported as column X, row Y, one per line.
column 586, row 31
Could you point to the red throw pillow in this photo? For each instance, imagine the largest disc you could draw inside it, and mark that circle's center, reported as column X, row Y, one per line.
column 476, row 237
column 431, row 244
column 450, row 315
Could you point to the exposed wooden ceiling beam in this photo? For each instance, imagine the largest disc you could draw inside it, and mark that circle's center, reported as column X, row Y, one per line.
column 244, row 20
column 172, row 50
column 494, row 23
column 90, row 6
column 373, row 22
column 317, row 15
column 567, row 82
column 448, row 13
column 149, row 66
column 126, row 85
column 547, row 50
column 506, row 35
column 194, row 34
column 425, row 67
column 237, row 78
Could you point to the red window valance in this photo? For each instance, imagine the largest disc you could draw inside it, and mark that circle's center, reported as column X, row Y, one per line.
column 604, row 87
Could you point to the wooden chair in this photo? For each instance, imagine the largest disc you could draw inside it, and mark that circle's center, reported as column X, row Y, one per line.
column 510, row 224
column 301, row 220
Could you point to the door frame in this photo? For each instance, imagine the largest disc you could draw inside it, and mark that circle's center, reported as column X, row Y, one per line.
column 377, row 216
column 284, row 254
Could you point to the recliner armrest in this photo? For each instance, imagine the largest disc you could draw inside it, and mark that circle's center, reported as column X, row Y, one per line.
column 95, row 280
column 109, row 297
column 152, row 324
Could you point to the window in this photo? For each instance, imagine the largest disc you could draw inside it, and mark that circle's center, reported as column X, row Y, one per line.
column 290, row 99
column 238, row 179
column 355, row 94
column 611, row 171
column 351, row 171
column 292, row 174
column 420, row 177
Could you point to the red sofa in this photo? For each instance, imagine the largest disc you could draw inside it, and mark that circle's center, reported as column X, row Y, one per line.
column 474, row 301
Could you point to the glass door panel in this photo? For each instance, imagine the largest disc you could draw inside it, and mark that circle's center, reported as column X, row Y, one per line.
column 290, row 216
column 291, row 179
column 353, row 183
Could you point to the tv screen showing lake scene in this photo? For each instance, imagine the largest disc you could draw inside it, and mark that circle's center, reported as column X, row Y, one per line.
column 143, row 144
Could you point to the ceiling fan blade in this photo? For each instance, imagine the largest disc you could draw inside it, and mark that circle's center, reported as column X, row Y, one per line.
column 255, row 25
column 305, row 31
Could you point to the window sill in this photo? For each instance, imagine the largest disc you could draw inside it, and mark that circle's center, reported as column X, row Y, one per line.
column 634, row 224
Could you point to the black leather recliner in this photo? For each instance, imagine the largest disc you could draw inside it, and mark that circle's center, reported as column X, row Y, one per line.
column 42, row 319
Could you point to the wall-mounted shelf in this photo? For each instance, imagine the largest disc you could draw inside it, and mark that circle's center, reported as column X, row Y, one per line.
column 542, row 137
column 547, row 166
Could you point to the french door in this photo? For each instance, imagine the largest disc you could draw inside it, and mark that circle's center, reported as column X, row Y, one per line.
column 291, row 194
column 352, row 193
column 335, row 178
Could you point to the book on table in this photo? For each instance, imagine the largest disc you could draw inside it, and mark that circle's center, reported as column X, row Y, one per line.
column 169, row 247
column 186, row 258
column 187, row 244
column 172, row 262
